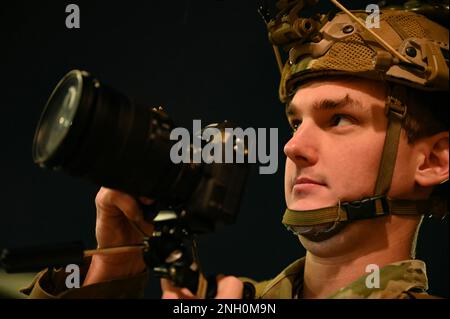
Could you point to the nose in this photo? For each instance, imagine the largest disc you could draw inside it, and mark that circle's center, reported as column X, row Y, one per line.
column 303, row 146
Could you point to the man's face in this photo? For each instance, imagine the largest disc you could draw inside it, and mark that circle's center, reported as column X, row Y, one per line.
column 336, row 148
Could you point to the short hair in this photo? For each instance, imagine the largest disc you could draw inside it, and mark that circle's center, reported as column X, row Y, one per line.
column 427, row 113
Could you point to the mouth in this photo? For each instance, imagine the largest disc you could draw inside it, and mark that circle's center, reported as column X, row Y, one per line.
column 305, row 184
column 307, row 180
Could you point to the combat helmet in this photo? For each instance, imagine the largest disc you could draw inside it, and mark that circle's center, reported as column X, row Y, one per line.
column 398, row 45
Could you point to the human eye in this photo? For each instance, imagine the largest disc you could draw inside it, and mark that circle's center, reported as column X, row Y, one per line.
column 341, row 120
column 294, row 124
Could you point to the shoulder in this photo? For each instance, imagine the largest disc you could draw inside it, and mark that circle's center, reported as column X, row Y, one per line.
column 284, row 286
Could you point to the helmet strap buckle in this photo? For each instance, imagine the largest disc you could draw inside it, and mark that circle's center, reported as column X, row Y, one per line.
column 366, row 208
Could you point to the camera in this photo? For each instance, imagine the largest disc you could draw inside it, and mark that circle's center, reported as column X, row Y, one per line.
column 92, row 131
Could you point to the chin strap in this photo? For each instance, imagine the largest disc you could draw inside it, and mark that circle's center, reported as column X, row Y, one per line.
column 377, row 205
column 350, row 211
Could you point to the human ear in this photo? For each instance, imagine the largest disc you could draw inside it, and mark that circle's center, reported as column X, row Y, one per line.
column 432, row 168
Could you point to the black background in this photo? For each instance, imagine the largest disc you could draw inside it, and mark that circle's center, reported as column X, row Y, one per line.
column 207, row 60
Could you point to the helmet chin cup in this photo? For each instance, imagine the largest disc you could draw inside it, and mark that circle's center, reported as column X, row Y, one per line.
column 318, row 233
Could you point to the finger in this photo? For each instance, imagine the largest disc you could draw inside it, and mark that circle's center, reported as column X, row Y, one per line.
column 118, row 202
column 181, row 294
column 172, row 292
column 229, row 287
column 143, row 228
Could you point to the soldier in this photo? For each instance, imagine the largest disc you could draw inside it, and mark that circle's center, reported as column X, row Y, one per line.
column 368, row 158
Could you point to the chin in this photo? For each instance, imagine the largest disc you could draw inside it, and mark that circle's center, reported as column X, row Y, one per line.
column 310, row 203
column 329, row 247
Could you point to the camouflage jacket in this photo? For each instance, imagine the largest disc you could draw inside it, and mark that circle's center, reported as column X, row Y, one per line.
column 401, row 280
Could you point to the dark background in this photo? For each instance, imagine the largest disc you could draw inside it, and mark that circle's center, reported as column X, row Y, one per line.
column 207, row 60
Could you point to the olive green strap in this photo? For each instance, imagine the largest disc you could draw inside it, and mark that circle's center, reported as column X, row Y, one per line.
column 367, row 208
column 396, row 112
column 410, row 207
column 349, row 211
column 314, row 217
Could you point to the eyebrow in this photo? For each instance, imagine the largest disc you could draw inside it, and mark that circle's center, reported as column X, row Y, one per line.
column 328, row 104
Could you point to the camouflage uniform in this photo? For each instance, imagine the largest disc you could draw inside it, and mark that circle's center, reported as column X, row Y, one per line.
column 401, row 280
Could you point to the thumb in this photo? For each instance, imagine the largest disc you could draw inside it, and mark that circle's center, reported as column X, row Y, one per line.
column 169, row 291
column 229, row 287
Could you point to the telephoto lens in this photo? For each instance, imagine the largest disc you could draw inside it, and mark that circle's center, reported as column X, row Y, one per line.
column 92, row 131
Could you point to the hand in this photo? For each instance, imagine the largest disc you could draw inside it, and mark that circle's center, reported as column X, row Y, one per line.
column 228, row 287
column 116, row 214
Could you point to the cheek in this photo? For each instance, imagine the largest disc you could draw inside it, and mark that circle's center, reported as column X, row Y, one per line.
column 356, row 167
column 403, row 180
column 289, row 173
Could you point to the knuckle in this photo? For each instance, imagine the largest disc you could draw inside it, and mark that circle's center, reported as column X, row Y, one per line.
column 230, row 282
column 169, row 295
column 106, row 197
column 100, row 198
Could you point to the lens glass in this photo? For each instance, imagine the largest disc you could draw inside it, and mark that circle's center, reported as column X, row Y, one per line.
column 58, row 115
